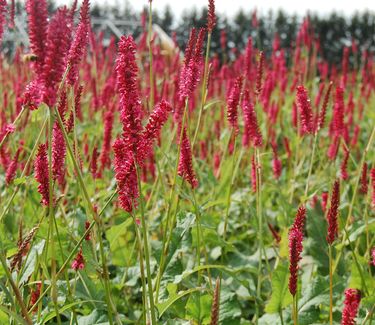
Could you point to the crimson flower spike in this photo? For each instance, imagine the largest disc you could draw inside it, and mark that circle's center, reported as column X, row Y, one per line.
column 78, row 46
column 41, row 173
column 126, row 176
column 295, row 250
column 323, row 111
column 185, row 165
column 38, row 24
column 260, row 69
column 233, row 102
column 305, row 110
column 333, row 213
column 252, row 131
column 211, row 17
column 338, row 112
column 127, row 84
column 3, row 10
column 364, row 185
column 351, row 305
column 156, row 121
column 299, row 221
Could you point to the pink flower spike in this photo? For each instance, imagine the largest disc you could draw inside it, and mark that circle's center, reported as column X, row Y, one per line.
column 351, row 305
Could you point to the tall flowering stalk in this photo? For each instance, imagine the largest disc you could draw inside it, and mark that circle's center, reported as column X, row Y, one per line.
column 295, row 250
column 211, row 22
column 332, row 218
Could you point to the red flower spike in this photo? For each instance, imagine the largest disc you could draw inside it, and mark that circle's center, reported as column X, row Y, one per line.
column 338, row 112
column 38, row 24
column 41, row 173
column 78, row 46
column 305, row 110
column 232, row 102
column 185, row 165
column 259, row 78
column 351, row 305
column 333, row 213
column 130, row 102
column 295, row 250
column 364, row 185
column 211, row 17
column 323, row 111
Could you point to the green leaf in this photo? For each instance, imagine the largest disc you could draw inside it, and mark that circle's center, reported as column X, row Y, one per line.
column 116, row 231
column 230, row 311
column 164, row 305
column 19, row 180
column 281, row 296
column 198, row 308
column 32, row 258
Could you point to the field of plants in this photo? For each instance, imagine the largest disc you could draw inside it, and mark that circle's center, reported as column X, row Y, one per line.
column 147, row 184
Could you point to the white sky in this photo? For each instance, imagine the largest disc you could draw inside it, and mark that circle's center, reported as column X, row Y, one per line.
column 230, row 7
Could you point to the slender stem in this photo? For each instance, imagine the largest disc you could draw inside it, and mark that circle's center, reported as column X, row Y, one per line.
column 281, row 317
column 111, row 307
column 168, row 232
column 73, row 252
column 142, row 269
column 295, row 309
column 229, row 193
column 146, row 251
column 203, row 91
column 16, row 291
column 311, row 164
column 150, row 56
column 260, row 226
column 330, row 285
column 51, row 220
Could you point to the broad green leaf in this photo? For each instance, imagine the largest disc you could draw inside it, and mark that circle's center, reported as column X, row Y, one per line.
column 164, row 305
column 198, row 308
column 281, row 296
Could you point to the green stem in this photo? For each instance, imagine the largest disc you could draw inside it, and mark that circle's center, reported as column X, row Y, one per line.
column 311, row 165
column 260, row 227
column 73, row 252
column 146, row 251
column 150, row 56
column 295, row 309
column 229, row 193
column 330, row 286
column 51, row 221
column 16, row 291
column 203, row 91
column 168, row 225
column 111, row 307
